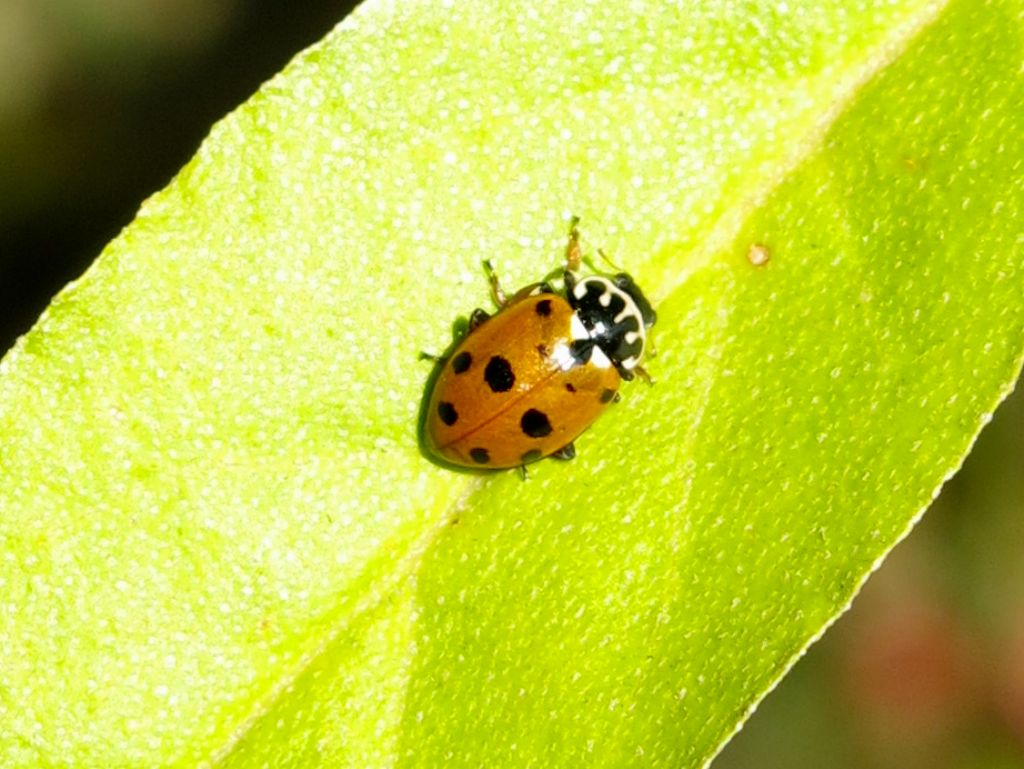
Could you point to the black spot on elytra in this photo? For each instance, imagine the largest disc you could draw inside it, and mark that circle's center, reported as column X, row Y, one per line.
column 480, row 456
column 607, row 395
column 530, row 456
column 543, row 307
column 462, row 362
column 498, row 374
column 447, row 412
column 535, row 423
column 570, row 387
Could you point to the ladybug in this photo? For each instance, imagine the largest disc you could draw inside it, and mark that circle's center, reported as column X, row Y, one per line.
column 524, row 383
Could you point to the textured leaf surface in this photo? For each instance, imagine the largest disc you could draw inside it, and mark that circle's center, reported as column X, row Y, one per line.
column 218, row 540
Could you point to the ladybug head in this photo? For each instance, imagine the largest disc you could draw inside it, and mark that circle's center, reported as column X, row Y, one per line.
column 616, row 315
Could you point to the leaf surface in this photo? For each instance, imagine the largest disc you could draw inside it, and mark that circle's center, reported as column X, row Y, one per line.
column 220, row 541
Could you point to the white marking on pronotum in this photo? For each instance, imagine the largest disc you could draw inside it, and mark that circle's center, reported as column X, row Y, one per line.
column 599, row 359
column 606, row 297
column 630, row 310
column 563, row 357
column 576, row 328
column 580, row 290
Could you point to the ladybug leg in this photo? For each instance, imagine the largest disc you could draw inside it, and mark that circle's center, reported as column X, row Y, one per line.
column 477, row 317
column 496, row 291
column 568, row 280
column 523, row 472
column 568, row 451
column 573, row 252
column 430, row 356
column 641, row 372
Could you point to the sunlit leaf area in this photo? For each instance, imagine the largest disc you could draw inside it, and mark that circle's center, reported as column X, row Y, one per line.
column 228, row 235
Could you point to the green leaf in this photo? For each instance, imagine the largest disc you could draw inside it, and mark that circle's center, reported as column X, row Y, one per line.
column 220, row 542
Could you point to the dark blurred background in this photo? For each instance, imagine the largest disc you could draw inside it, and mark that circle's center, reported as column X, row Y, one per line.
column 102, row 101
column 926, row 671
